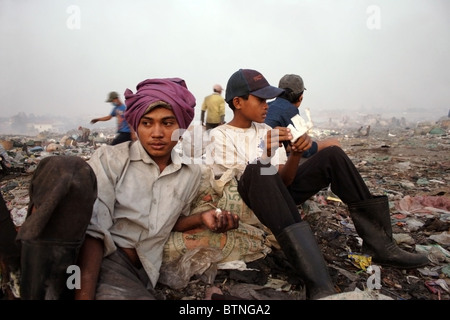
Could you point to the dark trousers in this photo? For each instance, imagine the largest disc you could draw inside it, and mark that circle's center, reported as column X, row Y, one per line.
column 121, row 137
column 275, row 205
column 211, row 125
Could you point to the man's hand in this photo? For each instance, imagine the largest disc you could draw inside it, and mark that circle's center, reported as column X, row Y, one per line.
column 275, row 137
column 218, row 220
column 302, row 144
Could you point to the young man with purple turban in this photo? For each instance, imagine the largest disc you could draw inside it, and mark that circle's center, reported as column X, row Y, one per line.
column 144, row 192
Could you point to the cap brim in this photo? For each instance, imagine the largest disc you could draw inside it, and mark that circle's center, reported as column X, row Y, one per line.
column 268, row 92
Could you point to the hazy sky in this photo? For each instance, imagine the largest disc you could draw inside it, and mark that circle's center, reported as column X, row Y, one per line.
column 63, row 57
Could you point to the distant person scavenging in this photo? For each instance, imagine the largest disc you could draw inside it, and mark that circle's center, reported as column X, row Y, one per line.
column 124, row 132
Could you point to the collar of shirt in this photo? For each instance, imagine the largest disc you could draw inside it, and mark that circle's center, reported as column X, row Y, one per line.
column 138, row 153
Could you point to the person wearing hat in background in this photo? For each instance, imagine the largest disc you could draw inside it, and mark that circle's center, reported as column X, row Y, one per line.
column 272, row 185
column 214, row 107
column 287, row 105
column 144, row 192
column 85, row 132
column 124, row 132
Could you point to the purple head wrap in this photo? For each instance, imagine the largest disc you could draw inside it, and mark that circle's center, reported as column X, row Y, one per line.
column 170, row 90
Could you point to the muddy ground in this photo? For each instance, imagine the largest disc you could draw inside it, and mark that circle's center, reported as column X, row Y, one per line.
column 397, row 163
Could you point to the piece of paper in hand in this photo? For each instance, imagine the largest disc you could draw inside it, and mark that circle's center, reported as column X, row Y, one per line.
column 301, row 126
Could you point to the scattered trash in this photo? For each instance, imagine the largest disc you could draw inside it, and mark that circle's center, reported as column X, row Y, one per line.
column 358, row 294
column 408, row 163
column 361, row 261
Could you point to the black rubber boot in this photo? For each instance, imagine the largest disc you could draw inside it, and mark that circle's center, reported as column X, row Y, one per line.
column 44, row 273
column 300, row 247
column 373, row 224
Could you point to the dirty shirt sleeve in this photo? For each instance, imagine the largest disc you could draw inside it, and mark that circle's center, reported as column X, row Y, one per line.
column 195, row 176
column 106, row 164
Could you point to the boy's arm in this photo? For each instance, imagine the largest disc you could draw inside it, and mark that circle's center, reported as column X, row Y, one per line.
column 274, row 140
column 215, row 220
column 289, row 170
column 89, row 261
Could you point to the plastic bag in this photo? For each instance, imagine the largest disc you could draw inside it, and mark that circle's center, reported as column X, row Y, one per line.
column 200, row 261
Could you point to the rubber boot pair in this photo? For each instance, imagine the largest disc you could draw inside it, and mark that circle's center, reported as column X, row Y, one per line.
column 373, row 224
column 301, row 249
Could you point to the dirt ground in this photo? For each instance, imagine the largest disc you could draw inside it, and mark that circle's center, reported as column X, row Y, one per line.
column 398, row 164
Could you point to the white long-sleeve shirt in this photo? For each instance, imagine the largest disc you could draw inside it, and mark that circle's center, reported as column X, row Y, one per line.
column 233, row 148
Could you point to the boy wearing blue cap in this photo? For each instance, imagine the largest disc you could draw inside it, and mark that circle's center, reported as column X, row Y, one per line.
column 273, row 184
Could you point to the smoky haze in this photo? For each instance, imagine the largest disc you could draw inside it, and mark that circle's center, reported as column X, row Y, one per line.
column 61, row 58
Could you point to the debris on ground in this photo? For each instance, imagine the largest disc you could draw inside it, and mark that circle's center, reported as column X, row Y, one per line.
column 408, row 164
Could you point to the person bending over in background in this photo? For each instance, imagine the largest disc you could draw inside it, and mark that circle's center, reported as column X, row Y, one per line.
column 124, row 132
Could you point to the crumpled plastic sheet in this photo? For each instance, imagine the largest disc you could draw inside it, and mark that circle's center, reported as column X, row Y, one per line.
column 442, row 238
column 437, row 286
column 423, row 204
column 358, row 294
column 201, row 261
column 436, row 253
column 234, row 265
